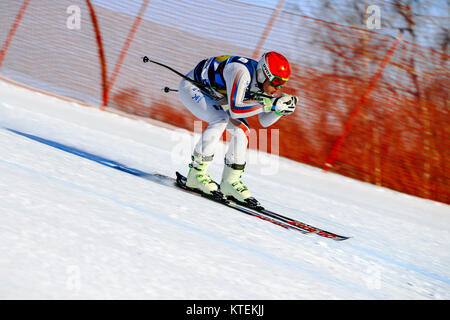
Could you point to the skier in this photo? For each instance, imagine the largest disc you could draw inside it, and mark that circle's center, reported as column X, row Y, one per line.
column 235, row 79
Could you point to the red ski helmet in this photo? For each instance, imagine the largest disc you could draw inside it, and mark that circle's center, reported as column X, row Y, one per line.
column 274, row 67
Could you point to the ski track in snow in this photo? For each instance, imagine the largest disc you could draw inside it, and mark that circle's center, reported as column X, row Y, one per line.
column 191, row 229
column 242, row 257
column 120, row 203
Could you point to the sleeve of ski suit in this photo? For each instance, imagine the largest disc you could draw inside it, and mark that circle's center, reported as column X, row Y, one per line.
column 267, row 119
column 237, row 78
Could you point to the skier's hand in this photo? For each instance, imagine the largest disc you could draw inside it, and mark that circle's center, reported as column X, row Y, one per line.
column 285, row 104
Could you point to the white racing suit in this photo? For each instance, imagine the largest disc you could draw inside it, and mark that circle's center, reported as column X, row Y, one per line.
column 231, row 76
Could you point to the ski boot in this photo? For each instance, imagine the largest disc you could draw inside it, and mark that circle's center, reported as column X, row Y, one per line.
column 198, row 179
column 233, row 188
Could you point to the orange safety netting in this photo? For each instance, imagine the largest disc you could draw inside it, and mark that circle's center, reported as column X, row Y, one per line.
column 372, row 107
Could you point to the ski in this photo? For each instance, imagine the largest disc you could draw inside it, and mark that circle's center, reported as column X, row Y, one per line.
column 179, row 182
column 264, row 214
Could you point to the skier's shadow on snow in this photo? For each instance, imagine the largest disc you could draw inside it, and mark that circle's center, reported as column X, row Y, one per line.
column 98, row 159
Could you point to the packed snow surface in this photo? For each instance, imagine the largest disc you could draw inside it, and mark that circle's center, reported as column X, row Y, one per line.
column 73, row 228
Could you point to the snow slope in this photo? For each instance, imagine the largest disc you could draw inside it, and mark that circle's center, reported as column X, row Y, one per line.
column 71, row 228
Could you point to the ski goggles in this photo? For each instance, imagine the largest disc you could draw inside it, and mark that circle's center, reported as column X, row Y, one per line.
column 277, row 81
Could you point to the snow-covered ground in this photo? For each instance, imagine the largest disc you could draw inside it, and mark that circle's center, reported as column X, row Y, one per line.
column 71, row 228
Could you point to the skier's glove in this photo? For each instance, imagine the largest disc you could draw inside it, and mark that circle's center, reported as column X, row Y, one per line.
column 284, row 105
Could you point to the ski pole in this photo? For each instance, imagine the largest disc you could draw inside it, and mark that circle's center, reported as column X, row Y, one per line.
column 145, row 59
column 200, row 85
